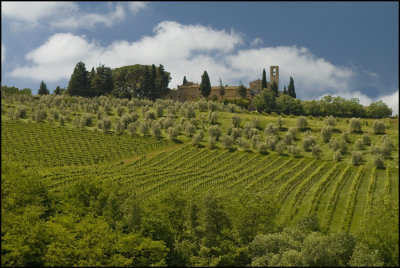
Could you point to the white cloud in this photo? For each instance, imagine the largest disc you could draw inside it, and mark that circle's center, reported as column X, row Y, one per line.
column 392, row 101
column 64, row 15
column 136, row 6
column 188, row 50
column 89, row 20
column 256, row 41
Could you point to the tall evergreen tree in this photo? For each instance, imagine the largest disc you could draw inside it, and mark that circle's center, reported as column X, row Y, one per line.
column 264, row 80
column 205, row 85
column 184, row 81
column 221, row 88
column 291, row 89
column 154, row 90
column 274, row 88
column 285, row 92
column 101, row 81
column 162, row 81
column 79, row 83
column 43, row 89
column 146, row 83
column 57, row 91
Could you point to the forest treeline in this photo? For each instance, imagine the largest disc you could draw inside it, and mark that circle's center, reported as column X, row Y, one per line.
column 96, row 222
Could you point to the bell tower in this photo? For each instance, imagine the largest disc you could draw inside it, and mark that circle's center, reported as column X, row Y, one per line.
column 274, row 75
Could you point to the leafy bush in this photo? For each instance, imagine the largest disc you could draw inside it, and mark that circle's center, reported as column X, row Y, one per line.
column 236, row 133
column 236, row 120
column 378, row 161
column 156, row 129
column 271, row 129
column 356, row 158
column 337, row 156
column 334, row 144
column 172, row 133
column 262, row 148
column 308, row 142
column 294, row 150
column 272, row 140
column 132, row 128
column 243, row 143
column 144, row 128
column 379, row 127
column 213, row 118
column 316, row 151
column 330, row 121
column 355, row 125
column 359, row 144
column 227, row 141
column 301, row 123
column 326, row 133
column 215, row 132
column 212, row 142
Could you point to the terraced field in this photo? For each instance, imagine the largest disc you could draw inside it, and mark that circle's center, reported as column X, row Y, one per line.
column 337, row 193
column 48, row 145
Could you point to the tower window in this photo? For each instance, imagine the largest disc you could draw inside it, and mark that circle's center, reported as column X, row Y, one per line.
column 274, row 71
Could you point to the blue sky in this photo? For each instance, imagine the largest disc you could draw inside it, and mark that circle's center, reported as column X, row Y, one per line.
column 349, row 49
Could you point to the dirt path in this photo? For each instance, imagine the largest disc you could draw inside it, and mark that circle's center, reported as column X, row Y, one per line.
column 154, row 153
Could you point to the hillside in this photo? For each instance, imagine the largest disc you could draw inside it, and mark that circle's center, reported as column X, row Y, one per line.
column 195, row 183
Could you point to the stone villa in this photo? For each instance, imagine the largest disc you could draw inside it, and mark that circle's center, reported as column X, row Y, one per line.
column 191, row 91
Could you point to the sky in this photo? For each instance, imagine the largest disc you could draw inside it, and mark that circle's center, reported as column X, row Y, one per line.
column 347, row 49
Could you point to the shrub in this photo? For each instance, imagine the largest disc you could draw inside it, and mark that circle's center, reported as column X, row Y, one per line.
column 270, row 129
column 330, row 121
column 256, row 123
column 337, row 156
column 280, row 148
column 254, row 141
column 144, row 128
column 294, row 150
column 366, row 139
column 215, row 132
column 61, row 120
column 345, row 136
column 159, row 111
column 288, row 138
column 236, row 120
column 213, row 118
column 39, row 115
column 334, row 144
column 150, row 115
column 316, row 151
column 326, row 133
column 212, row 142
column 379, row 127
column 156, row 129
column 236, row 133
column 173, row 133
column 242, row 143
column 343, row 146
column 280, row 123
column 379, row 162
column 190, row 129
column 196, row 139
column 119, row 128
column 262, row 148
column 120, row 110
column 356, row 158
column 293, row 131
column 227, row 141
column 86, row 120
column 272, row 140
column 106, row 124
column 355, row 125
column 359, row 144
column 54, row 114
column 301, row 123
column 132, row 128
column 308, row 142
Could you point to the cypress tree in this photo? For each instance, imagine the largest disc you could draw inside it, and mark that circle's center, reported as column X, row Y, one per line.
column 205, row 85
column 79, row 84
column 154, row 91
column 274, row 88
column 101, row 81
column 264, row 80
column 57, row 91
column 164, row 79
column 285, row 92
column 43, row 89
column 184, row 81
column 221, row 88
column 291, row 89
column 146, row 83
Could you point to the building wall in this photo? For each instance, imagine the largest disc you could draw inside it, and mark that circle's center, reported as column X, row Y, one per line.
column 274, row 76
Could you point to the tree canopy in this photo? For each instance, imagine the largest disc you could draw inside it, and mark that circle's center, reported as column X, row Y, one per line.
column 205, row 85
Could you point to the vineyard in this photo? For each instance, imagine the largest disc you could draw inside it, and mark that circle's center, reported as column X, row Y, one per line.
column 166, row 174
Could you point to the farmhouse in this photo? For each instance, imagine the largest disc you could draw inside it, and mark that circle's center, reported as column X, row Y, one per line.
column 191, row 91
